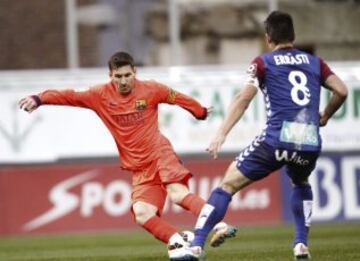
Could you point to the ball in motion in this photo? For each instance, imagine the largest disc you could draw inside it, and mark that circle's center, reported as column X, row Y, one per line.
column 178, row 242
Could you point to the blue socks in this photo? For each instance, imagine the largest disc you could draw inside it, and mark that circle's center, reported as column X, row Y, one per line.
column 215, row 209
column 211, row 214
column 301, row 205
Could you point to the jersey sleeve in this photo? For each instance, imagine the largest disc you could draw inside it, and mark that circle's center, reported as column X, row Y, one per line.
column 325, row 71
column 255, row 72
column 170, row 96
column 84, row 99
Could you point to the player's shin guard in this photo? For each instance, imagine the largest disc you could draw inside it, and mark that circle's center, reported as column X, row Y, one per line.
column 212, row 213
column 301, row 205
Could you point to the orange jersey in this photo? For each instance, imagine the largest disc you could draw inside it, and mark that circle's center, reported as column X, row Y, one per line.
column 131, row 119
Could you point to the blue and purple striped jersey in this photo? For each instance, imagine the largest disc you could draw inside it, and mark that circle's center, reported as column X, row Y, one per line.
column 291, row 81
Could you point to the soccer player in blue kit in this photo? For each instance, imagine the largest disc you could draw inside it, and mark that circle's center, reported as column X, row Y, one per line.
column 290, row 81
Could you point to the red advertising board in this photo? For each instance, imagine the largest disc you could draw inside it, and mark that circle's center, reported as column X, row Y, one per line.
column 89, row 196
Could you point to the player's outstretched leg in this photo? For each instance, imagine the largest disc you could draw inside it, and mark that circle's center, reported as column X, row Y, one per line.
column 179, row 193
column 146, row 216
column 159, row 228
column 222, row 230
column 177, row 242
column 211, row 214
column 301, row 205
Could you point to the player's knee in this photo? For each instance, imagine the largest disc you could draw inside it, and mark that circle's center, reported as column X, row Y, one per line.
column 234, row 180
column 177, row 196
column 142, row 215
column 177, row 193
column 233, row 185
column 229, row 187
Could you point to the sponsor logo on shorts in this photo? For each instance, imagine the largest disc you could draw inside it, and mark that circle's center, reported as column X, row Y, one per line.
column 284, row 155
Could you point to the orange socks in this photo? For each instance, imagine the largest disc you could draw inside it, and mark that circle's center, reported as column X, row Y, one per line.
column 193, row 203
column 160, row 229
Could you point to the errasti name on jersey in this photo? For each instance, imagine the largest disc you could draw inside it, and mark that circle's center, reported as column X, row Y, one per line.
column 291, row 59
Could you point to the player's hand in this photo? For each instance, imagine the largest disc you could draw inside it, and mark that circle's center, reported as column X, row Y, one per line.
column 215, row 145
column 28, row 104
column 323, row 119
column 206, row 112
column 210, row 110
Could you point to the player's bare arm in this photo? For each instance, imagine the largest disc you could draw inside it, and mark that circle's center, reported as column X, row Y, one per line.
column 339, row 94
column 236, row 110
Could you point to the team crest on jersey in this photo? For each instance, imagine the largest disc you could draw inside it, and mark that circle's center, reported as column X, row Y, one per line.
column 171, row 96
column 252, row 69
column 140, row 105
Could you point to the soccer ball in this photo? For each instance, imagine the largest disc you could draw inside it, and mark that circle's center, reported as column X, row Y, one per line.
column 178, row 242
column 188, row 236
column 181, row 239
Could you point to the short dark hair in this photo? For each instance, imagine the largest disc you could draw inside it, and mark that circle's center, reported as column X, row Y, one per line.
column 120, row 59
column 279, row 27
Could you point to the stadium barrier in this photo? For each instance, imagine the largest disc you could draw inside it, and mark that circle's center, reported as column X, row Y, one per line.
column 87, row 196
column 97, row 196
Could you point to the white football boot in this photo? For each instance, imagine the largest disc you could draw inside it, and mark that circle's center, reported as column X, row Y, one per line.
column 195, row 253
column 301, row 251
column 222, row 231
column 183, row 252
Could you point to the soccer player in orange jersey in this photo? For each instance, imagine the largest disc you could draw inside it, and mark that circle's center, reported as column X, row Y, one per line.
column 129, row 109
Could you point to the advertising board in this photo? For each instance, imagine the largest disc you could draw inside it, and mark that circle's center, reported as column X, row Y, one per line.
column 97, row 196
column 336, row 188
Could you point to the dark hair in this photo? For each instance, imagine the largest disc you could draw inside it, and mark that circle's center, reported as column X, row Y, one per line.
column 279, row 27
column 120, row 59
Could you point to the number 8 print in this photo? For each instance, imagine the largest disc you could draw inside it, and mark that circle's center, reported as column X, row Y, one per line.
column 299, row 86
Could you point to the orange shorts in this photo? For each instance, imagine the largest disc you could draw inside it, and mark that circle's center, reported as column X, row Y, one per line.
column 149, row 184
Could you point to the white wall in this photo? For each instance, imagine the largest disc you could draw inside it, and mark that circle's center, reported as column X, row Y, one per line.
column 54, row 132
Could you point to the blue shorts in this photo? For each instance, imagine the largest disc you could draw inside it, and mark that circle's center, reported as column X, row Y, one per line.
column 260, row 159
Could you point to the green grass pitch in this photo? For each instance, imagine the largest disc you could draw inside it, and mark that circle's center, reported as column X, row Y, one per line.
column 328, row 242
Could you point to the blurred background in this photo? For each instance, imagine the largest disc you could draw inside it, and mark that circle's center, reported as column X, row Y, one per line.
column 39, row 34
column 59, row 170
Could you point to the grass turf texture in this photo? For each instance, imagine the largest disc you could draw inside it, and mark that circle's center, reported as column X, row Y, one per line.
column 339, row 241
